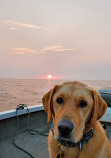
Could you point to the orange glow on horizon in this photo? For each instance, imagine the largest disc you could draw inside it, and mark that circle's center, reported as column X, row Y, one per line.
column 49, row 76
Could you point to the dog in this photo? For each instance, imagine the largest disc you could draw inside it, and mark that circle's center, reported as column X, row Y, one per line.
column 76, row 133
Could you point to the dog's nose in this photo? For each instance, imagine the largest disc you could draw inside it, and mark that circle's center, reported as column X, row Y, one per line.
column 65, row 127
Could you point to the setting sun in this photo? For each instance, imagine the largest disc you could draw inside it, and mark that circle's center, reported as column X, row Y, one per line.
column 49, row 76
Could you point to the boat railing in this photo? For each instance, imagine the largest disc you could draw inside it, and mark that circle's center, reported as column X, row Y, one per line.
column 12, row 113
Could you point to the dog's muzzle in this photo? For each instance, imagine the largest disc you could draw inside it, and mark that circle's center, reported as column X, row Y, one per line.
column 68, row 143
column 65, row 129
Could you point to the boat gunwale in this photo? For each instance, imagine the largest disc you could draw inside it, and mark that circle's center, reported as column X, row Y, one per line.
column 12, row 113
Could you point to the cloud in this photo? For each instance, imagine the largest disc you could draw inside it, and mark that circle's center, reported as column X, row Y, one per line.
column 18, row 51
column 31, row 51
column 14, row 25
column 26, row 50
column 13, row 28
column 57, row 48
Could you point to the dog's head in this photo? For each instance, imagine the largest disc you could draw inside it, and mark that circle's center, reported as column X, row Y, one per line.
column 73, row 106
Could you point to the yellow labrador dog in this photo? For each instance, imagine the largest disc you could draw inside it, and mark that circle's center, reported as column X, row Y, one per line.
column 76, row 132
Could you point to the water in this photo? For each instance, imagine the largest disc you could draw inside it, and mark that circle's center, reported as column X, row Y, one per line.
column 30, row 91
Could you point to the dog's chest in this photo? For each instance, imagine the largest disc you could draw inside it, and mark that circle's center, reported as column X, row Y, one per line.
column 70, row 153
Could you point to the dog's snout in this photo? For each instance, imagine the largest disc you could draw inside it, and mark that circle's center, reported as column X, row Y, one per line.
column 65, row 127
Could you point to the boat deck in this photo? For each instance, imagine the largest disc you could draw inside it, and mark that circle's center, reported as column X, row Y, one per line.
column 12, row 133
column 36, row 145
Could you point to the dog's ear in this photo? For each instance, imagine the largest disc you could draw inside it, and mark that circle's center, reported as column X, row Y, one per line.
column 47, row 103
column 99, row 107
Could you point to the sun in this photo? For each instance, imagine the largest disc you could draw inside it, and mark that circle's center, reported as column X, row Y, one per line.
column 49, row 76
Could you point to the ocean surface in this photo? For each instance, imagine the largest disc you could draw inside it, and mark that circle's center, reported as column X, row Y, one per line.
column 30, row 91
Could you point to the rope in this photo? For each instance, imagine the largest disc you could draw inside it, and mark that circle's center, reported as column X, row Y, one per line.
column 31, row 131
column 22, row 149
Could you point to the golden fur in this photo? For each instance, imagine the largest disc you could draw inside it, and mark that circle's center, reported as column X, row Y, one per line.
column 83, row 119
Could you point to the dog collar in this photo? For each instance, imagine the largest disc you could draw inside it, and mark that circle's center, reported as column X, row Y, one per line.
column 84, row 140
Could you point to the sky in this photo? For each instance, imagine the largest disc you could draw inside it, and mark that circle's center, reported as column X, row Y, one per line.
column 69, row 39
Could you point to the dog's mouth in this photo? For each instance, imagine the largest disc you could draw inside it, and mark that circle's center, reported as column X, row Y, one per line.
column 66, row 140
column 67, row 143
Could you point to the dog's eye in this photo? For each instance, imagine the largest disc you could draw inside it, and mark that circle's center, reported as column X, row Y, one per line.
column 83, row 104
column 59, row 100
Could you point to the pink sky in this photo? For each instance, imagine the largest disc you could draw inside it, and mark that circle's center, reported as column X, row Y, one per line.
column 69, row 39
